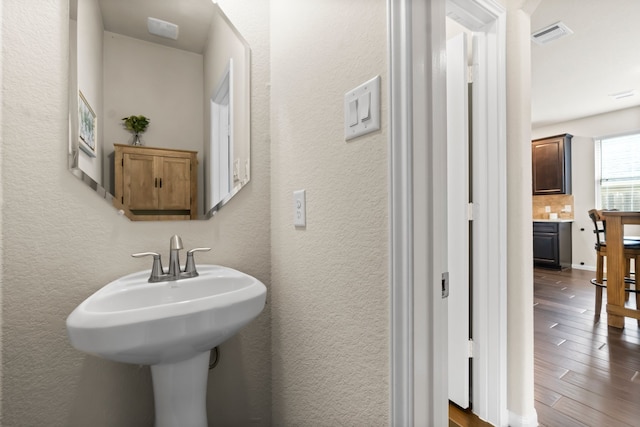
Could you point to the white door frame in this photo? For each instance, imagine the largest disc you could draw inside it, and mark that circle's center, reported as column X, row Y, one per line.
column 418, row 242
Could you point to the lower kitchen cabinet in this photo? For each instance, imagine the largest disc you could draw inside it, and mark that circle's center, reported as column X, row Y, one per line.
column 552, row 244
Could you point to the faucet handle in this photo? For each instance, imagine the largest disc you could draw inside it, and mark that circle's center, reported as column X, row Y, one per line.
column 156, row 269
column 190, row 268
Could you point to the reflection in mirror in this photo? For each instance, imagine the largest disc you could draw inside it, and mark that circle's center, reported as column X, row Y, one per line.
column 195, row 152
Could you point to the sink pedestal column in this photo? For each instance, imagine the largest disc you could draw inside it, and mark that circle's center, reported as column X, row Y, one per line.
column 180, row 391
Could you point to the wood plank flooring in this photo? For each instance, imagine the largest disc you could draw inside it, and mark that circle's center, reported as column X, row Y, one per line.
column 459, row 417
column 586, row 374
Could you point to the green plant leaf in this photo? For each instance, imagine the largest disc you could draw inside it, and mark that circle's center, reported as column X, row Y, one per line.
column 136, row 124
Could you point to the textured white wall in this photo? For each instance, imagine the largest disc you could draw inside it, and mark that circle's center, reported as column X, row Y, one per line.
column 61, row 243
column 1, row 210
column 162, row 83
column 330, row 311
column 584, row 132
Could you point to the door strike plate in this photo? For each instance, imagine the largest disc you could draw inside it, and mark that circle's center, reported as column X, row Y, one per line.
column 445, row 284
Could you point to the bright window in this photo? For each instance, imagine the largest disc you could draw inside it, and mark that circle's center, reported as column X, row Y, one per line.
column 618, row 172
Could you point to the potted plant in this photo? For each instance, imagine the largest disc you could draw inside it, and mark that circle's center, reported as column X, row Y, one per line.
column 137, row 125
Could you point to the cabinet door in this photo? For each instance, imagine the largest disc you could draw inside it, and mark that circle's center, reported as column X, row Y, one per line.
column 140, row 181
column 545, row 248
column 175, row 185
column 548, row 166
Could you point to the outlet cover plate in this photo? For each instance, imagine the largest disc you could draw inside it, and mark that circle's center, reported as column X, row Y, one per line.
column 299, row 209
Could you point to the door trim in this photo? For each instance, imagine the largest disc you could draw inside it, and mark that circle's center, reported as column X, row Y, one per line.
column 489, row 165
column 400, row 215
column 417, row 154
column 417, row 151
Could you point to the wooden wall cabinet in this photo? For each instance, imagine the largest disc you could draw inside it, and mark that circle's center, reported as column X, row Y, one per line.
column 552, row 244
column 155, row 183
column 551, row 165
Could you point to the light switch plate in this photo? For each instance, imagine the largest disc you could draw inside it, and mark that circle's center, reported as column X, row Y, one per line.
column 299, row 209
column 365, row 100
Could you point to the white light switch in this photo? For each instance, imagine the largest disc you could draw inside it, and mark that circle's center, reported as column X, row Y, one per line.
column 366, row 99
column 299, row 209
column 353, row 112
column 364, row 102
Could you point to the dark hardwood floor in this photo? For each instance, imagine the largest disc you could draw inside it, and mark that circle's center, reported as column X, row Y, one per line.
column 586, row 374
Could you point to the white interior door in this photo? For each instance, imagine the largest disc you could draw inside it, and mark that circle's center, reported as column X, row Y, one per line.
column 458, row 218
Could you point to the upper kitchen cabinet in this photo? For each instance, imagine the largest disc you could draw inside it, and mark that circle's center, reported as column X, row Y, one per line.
column 551, row 166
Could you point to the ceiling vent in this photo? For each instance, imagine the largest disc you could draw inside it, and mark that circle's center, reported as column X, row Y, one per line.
column 551, row 33
column 162, row 28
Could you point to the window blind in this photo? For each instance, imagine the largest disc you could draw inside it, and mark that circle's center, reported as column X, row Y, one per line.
column 620, row 172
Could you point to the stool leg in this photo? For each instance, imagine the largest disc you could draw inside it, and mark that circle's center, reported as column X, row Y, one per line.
column 599, row 268
column 637, row 302
column 627, row 274
column 600, row 280
column 636, row 263
column 599, row 303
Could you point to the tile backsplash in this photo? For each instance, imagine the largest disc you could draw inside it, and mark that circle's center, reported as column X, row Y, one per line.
column 556, row 202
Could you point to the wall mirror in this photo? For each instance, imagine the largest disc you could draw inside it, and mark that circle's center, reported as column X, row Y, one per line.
column 184, row 66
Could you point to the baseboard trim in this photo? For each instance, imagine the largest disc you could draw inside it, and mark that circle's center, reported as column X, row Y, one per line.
column 516, row 420
column 583, row 267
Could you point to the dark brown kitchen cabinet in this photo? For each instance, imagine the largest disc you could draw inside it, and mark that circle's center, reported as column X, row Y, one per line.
column 552, row 244
column 551, row 165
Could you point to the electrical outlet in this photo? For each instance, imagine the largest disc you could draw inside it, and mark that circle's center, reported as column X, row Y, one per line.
column 547, row 209
column 567, row 208
column 299, row 209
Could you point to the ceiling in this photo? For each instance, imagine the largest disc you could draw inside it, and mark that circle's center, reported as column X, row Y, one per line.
column 574, row 76
column 129, row 18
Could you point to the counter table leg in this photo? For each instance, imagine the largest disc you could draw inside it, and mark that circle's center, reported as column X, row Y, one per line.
column 615, row 269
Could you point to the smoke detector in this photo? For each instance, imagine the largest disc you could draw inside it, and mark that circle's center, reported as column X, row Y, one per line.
column 161, row 28
column 551, row 33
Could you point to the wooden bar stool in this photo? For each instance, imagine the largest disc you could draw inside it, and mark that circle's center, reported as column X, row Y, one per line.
column 631, row 251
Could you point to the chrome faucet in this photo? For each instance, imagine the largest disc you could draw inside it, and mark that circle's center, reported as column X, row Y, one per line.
column 175, row 246
column 175, row 272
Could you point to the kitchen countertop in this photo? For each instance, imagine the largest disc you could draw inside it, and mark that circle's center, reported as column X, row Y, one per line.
column 553, row 220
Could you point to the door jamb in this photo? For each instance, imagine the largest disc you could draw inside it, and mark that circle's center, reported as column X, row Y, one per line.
column 416, row 82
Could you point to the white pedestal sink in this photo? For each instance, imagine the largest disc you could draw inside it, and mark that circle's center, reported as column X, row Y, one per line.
column 171, row 326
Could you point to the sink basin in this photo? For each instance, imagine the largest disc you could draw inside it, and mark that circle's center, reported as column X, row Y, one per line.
column 171, row 326
column 133, row 321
